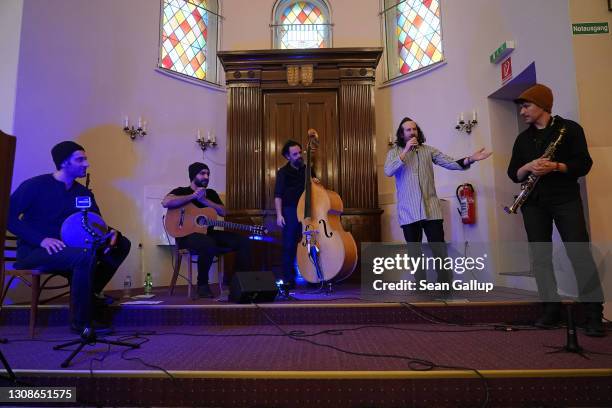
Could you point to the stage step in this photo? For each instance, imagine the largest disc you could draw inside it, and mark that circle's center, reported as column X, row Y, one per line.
column 366, row 355
column 575, row 388
column 290, row 313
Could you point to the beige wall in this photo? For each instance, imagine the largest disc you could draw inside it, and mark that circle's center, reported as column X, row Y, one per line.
column 247, row 24
column 10, row 34
column 593, row 59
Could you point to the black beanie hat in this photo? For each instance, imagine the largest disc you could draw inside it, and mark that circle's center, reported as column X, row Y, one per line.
column 195, row 168
column 64, row 150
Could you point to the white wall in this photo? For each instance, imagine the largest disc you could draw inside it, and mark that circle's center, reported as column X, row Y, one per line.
column 10, row 36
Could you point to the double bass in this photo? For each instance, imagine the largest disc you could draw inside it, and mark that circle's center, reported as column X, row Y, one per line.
column 326, row 252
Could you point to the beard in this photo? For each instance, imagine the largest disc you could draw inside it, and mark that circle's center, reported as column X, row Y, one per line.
column 77, row 172
column 201, row 183
column 299, row 162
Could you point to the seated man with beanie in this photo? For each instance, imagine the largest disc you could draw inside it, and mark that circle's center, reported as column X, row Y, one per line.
column 37, row 210
column 214, row 242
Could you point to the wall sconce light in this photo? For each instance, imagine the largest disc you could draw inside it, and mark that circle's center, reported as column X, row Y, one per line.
column 141, row 130
column 464, row 126
column 209, row 142
column 391, row 142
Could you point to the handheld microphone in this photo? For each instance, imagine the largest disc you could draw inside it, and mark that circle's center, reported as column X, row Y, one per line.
column 415, row 147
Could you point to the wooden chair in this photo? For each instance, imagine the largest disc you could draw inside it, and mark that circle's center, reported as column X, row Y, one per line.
column 31, row 277
column 192, row 258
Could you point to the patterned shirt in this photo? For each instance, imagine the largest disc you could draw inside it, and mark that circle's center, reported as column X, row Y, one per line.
column 415, row 184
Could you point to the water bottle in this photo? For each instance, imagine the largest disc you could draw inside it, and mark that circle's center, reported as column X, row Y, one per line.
column 148, row 284
column 127, row 287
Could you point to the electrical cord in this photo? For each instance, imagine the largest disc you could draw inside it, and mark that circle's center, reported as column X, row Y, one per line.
column 430, row 317
column 99, row 359
column 414, row 363
column 140, row 360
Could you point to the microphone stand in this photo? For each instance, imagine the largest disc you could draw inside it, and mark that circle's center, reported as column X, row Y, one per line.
column 88, row 336
column 571, row 344
column 7, row 367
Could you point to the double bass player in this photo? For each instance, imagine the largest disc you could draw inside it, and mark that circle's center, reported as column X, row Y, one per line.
column 311, row 214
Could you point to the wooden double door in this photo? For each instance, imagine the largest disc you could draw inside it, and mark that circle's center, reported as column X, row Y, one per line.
column 289, row 116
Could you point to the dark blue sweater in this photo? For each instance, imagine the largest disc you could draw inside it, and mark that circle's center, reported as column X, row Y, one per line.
column 38, row 208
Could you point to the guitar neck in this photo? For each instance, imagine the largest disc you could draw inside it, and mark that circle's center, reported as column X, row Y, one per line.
column 230, row 225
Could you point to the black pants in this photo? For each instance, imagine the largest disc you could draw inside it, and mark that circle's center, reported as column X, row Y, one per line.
column 217, row 243
column 434, row 230
column 569, row 219
column 78, row 264
column 292, row 233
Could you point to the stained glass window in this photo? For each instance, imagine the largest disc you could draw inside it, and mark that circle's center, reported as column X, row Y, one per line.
column 413, row 33
column 302, row 24
column 189, row 38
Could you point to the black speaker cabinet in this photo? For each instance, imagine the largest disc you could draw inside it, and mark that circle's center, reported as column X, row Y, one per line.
column 253, row 287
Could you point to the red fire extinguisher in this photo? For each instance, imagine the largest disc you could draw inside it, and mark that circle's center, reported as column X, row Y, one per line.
column 467, row 203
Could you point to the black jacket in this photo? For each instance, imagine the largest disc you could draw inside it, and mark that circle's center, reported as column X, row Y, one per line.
column 555, row 187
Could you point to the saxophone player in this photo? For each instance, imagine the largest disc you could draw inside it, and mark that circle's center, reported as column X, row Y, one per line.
column 555, row 199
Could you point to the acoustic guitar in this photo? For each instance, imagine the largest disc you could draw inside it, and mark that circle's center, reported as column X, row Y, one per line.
column 190, row 219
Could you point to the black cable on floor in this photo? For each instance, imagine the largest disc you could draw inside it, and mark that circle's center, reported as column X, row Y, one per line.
column 430, row 317
column 415, row 364
column 138, row 359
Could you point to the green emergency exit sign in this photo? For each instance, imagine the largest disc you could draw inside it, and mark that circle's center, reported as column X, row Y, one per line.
column 501, row 52
column 590, row 28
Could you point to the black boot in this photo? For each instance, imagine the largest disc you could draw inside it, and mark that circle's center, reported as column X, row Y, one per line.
column 594, row 314
column 204, row 291
column 551, row 316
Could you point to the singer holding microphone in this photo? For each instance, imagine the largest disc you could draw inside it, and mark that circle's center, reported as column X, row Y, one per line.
column 411, row 161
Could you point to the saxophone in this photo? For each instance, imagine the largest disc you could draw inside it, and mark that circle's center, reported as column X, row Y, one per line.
column 529, row 184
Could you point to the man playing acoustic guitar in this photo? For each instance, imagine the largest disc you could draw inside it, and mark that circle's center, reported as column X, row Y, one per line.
column 210, row 242
column 38, row 208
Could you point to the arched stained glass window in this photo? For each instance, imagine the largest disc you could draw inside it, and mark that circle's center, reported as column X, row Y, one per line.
column 413, row 35
column 189, row 38
column 301, row 24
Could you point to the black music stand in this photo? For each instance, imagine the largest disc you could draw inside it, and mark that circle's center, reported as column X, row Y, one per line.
column 88, row 336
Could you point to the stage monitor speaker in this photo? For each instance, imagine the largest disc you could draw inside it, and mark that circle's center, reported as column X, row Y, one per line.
column 253, row 287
